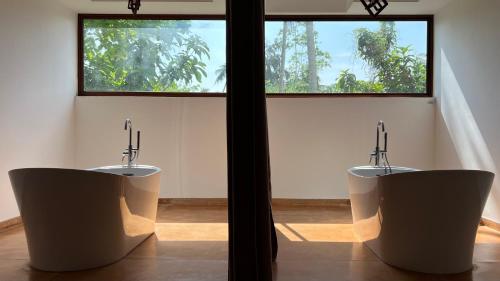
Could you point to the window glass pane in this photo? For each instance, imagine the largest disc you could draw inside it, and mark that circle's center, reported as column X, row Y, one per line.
column 154, row 55
column 346, row 57
column 301, row 57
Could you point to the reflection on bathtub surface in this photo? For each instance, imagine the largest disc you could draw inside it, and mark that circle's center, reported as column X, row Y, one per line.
column 76, row 219
column 424, row 221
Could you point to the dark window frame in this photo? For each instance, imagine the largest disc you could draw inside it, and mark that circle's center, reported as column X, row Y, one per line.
column 429, row 19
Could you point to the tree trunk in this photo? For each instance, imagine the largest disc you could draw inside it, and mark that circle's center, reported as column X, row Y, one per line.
column 311, row 57
column 283, row 58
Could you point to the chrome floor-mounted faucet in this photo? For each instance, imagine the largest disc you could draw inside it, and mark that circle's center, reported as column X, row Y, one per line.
column 131, row 153
column 380, row 155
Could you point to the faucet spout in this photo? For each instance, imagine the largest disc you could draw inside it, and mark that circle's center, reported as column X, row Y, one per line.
column 128, row 123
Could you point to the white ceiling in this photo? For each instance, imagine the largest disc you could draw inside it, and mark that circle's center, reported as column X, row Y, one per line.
column 272, row 6
column 308, row 6
column 420, row 7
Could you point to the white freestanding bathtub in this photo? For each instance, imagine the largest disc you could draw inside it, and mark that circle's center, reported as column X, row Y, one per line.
column 81, row 219
column 424, row 221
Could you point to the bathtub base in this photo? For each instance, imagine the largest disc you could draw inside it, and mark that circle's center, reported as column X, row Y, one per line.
column 76, row 264
column 422, row 263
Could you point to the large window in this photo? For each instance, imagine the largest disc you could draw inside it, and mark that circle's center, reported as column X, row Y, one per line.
column 122, row 55
column 347, row 57
column 305, row 56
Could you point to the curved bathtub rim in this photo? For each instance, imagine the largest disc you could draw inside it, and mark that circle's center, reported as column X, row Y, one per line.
column 60, row 169
column 157, row 170
column 407, row 170
column 94, row 170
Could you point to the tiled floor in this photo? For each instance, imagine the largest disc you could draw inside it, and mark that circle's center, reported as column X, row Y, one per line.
column 316, row 244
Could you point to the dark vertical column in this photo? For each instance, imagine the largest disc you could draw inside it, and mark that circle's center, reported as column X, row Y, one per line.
column 250, row 228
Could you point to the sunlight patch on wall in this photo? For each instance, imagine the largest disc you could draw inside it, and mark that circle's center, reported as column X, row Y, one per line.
column 470, row 145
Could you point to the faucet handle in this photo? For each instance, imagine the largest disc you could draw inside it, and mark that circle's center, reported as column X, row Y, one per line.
column 387, row 165
column 134, row 155
column 124, row 154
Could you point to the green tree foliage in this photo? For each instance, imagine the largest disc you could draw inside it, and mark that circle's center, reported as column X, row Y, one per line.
column 143, row 55
column 348, row 83
column 296, row 71
column 392, row 68
column 166, row 56
column 396, row 68
column 221, row 74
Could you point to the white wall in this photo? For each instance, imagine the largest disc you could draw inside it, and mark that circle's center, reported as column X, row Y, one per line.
column 468, row 90
column 183, row 136
column 37, row 89
column 313, row 141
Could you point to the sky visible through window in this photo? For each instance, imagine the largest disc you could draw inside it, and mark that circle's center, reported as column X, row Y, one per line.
column 214, row 33
column 336, row 37
column 337, row 44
